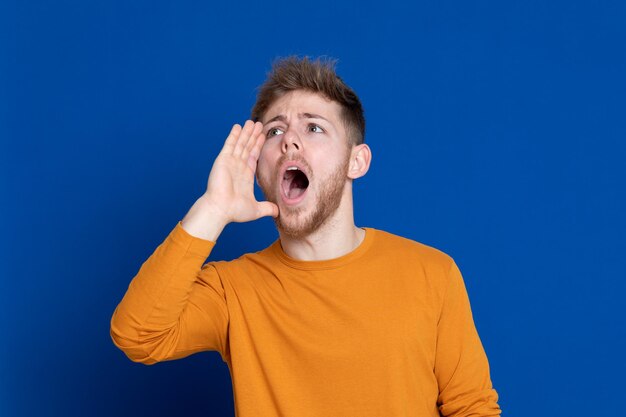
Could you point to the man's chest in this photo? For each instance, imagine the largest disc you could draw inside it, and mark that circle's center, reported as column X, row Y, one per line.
column 337, row 321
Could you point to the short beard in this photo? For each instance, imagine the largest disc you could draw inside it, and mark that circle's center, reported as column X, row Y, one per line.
column 328, row 201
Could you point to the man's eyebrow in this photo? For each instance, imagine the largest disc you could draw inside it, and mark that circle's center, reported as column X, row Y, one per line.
column 282, row 118
column 313, row 116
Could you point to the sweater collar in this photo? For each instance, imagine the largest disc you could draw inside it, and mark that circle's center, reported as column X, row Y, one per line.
column 356, row 253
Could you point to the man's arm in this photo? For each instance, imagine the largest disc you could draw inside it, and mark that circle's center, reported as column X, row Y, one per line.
column 175, row 306
column 461, row 365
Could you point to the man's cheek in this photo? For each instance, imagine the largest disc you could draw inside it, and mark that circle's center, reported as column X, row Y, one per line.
column 261, row 163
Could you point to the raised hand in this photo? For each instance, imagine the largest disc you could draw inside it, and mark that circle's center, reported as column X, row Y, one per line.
column 230, row 188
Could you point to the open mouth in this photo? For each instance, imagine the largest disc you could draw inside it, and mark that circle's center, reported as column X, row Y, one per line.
column 295, row 183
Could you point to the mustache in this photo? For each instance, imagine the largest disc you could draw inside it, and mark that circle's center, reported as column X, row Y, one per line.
column 294, row 157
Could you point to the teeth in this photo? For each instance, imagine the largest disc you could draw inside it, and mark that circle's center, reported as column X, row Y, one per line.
column 292, row 169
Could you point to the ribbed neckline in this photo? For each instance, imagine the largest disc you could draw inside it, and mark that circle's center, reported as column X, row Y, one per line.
column 359, row 251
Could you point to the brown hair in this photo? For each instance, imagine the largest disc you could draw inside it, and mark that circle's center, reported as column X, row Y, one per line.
column 318, row 76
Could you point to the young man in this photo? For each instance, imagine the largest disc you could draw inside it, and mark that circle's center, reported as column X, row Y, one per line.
column 331, row 319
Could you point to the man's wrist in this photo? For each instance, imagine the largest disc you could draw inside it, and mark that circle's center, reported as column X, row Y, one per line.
column 204, row 220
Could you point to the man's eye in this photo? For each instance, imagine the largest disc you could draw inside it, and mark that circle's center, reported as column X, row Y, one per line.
column 273, row 132
column 316, row 129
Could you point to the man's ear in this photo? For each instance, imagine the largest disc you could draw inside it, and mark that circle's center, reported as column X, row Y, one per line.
column 360, row 158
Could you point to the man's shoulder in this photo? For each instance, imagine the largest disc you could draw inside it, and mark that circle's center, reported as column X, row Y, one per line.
column 396, row 246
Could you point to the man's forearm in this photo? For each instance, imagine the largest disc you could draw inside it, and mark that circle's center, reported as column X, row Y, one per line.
column 158, row 294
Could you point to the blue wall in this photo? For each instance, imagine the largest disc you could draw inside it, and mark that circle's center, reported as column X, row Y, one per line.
column 497, row 130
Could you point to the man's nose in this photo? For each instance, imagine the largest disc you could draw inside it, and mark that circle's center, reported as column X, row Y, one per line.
column 291, row 141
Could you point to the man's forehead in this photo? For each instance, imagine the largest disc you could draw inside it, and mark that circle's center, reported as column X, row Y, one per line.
column 302, row 104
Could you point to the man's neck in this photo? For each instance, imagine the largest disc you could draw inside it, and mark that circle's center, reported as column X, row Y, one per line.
column 336, row 237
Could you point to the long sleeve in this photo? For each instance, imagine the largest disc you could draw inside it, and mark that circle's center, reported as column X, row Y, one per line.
column 174, row 306
column 461, row 365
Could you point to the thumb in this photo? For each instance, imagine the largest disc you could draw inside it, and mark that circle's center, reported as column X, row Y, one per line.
column 265, row 208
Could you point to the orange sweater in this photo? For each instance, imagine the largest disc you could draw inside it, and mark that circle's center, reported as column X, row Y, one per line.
column 385, row 330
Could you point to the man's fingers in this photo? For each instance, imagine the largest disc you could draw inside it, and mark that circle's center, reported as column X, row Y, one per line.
column 258, row 128
column 229, row 144
column 255, row 151
column 242, row 140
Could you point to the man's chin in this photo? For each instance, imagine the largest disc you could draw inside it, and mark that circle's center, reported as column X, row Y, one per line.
column 294, row 221
column 292, row 231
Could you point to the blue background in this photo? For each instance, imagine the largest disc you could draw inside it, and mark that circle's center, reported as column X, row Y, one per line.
column 497, row 130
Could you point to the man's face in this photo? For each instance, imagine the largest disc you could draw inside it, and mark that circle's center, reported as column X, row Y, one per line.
column 304, row 162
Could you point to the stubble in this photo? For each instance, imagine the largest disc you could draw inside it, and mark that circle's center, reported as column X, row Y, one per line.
column 292, row 221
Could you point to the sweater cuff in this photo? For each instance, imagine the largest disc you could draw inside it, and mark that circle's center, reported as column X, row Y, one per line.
column 193, row 245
